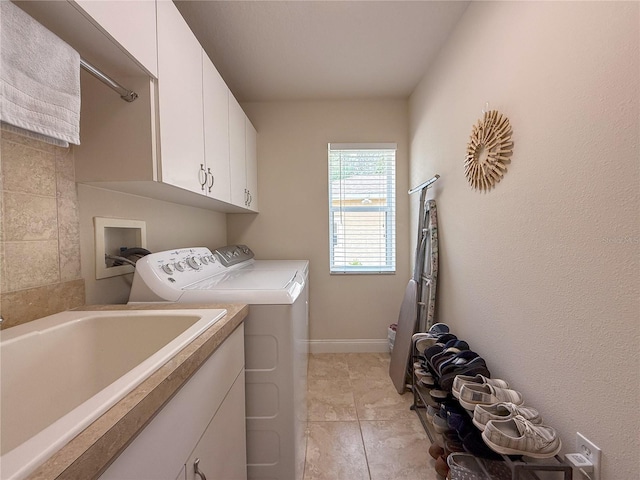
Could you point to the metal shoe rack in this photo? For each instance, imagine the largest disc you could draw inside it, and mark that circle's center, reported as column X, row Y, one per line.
column 425, row 274
column 520, row 469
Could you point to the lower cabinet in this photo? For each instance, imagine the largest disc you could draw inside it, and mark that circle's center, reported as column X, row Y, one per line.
column 204, row 421
column 217, row 455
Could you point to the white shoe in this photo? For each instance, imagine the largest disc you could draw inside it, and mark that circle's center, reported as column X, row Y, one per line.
column 460, row 380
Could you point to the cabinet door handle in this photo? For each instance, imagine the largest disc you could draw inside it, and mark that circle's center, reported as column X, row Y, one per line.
column 197, row 471
column 211, row 178
column 249, row 198
column 202, row 176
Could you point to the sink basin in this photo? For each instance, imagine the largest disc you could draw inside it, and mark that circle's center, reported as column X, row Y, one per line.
column 60, row 373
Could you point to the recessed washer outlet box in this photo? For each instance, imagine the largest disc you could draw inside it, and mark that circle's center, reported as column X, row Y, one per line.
column 113, row 234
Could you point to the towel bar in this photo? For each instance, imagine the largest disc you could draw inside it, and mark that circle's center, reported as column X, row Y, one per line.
column 125, row 94
column 424, row 184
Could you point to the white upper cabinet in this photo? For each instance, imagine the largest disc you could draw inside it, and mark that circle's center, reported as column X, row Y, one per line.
column 215, row 99
column 185, row 139
column 237, row 151
column 243, row 160
column 132, row 24
column 251, row 161
column 180, row 101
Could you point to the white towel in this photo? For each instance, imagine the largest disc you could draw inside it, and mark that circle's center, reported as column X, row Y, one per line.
column 39, row 79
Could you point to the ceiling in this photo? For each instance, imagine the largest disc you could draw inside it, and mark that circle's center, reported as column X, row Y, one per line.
column 317, row 50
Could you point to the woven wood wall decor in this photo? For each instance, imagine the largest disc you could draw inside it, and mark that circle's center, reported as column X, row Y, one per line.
column 488, row 151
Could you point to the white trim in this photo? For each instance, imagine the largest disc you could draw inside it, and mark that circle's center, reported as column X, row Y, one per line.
column 356, row 345
column 363, row 146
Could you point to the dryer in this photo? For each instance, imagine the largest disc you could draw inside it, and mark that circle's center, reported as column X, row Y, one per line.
column 276, row 339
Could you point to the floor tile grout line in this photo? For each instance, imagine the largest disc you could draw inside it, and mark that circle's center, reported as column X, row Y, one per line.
column 355, row 405
column 354, row 372
column 364, row 449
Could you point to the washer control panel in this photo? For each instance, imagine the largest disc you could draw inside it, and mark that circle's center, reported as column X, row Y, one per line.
column 234, row 254
column 186, row 259
column 176, row 269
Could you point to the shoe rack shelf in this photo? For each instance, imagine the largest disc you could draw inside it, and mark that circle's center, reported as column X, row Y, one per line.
column 520, row 469
column 421, row 400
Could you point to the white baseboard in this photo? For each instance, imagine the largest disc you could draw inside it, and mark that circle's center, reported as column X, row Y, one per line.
column 349, row 346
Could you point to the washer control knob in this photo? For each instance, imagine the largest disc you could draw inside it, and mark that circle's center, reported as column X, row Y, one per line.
column 168, row 269
column 212, row 258
column 205, row 260
column 180, row 266
column 194, row 263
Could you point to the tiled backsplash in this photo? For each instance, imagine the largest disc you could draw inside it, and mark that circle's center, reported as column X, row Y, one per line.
column 39, row 233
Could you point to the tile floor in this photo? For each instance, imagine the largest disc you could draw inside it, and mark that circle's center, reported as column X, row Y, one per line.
column 359, row 427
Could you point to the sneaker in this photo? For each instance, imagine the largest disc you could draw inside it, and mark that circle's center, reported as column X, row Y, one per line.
column 438, row 328
column 440, row 334
column 452, row 446
column 503, row 411
column 464, row 359
column 436, row 451
column 440, row 424
column 441, row 357
column 441, row 467
column 460, row 380
column 472, row 394
column 459, row 344
column 427, row 382
column 450, row 436
column 518, row 436
column 474, row 444
column 431, row 411
column 438, row 395
column 476, row 366
column 461, row 423
column 424, row 342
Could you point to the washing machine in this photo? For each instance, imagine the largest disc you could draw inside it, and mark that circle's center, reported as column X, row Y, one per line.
column 276, row 339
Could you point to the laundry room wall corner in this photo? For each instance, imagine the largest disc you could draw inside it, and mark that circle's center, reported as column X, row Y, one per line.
column 347, row 312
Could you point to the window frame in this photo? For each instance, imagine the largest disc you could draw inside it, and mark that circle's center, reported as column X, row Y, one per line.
column 389, row 210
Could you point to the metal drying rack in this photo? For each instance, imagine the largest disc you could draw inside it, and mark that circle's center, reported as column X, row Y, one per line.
column 425, row 274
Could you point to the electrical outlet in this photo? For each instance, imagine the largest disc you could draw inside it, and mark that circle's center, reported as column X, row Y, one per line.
column 591, row 453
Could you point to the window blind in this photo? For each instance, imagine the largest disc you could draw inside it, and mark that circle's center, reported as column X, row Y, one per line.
column 362, row 208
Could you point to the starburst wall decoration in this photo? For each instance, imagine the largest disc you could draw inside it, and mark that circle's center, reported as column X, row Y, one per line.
column 488, row 151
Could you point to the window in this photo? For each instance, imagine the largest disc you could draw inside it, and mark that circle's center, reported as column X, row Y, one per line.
column 362, row 208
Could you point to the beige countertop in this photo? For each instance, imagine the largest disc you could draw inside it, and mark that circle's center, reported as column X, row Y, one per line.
column 90, row 452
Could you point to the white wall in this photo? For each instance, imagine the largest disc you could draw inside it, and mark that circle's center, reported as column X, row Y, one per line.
column 541, row 274
column 168, row 226
column 293, row 219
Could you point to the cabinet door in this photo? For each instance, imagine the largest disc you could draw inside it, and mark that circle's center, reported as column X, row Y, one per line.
column 183, row 473
column 215, row 99
column 179, row 100
column 131, row 24
column 237, row 149
column 251, row 162
column 222, row 449
column 161, row 449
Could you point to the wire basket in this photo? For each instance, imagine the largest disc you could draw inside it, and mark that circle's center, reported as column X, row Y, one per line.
column 465, row 466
